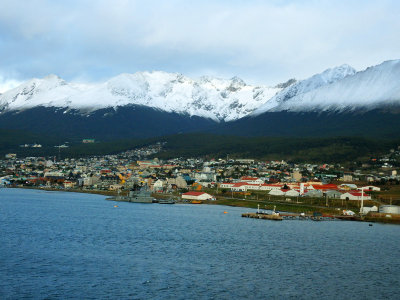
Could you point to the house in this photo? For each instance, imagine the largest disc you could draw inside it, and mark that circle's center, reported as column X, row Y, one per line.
column 370, row 188
column 347, row 186
column 239, row 187
column 296, row 175
column 245, row 186
column 270, row 187
column 158, row 185
column 226, row 185
column 200, row 196
column 68, row 184
column 333, row 194
column 347, row 177
column 355, row 195
column 235, row 187
column 89, row 181
column 207, row 176
column 251, row 180
column 179, row 181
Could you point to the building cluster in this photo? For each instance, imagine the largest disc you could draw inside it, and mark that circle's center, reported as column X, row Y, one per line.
column 314, row 189
column 131, row 169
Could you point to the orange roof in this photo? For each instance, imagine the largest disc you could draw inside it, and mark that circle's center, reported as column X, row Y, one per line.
column 325, row 186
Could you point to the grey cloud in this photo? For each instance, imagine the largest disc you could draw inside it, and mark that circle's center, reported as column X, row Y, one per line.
column 261, row 42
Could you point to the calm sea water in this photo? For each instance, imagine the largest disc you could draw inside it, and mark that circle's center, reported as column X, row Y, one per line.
column 58, row 245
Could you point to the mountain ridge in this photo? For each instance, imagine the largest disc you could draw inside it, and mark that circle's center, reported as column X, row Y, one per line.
column 338, row 101
column 208, row 97
column 368, row 89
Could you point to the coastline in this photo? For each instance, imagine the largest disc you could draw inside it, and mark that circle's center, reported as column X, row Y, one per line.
column 265, row 205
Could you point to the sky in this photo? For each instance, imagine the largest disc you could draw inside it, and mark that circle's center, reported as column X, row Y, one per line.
column 262, row 42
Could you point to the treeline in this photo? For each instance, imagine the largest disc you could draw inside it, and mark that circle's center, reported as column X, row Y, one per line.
column 338, row 149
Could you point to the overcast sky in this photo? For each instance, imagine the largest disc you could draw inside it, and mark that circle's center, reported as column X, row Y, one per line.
column 262, row 42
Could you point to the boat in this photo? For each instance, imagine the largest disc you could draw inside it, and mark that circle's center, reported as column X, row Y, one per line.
column 166, row 201
column 273, row 217
column 136, row 196
column 196, row 202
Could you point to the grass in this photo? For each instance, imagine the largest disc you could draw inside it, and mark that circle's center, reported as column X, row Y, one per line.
column 392, row 195
column 269, row 205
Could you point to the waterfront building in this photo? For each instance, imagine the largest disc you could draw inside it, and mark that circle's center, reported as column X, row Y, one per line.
column 199, row 196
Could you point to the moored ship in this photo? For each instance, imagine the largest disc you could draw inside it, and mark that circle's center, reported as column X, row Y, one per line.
column 136, row 196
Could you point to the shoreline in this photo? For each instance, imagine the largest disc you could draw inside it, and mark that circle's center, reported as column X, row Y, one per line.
column 284, row 207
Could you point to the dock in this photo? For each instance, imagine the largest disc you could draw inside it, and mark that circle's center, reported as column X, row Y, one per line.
column 285, row 216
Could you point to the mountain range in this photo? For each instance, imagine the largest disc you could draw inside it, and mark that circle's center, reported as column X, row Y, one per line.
column 338, row 101
column 213, row 98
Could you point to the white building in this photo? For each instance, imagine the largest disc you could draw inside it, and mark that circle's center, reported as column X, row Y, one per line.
column 158, row 185
column 370, row 188
column 353, row 195
column 197, row 196
column 389, row 209
column 252, row 180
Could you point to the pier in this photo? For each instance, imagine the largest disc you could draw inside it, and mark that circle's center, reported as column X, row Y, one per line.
column 280, row 217
column 274, row 217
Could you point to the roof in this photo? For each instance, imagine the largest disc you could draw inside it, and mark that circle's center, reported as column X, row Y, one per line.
column 193, row 193
column 358, row 194
column 325, row 186
column 238, row 184
column 249, row 178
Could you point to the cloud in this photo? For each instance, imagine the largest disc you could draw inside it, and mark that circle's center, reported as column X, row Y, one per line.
column 263, row 42
column 8, row 84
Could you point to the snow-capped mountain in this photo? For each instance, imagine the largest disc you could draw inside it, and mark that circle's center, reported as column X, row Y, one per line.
column 216, row 99
column 340, row 89
column 336, row 89
column 301, row 87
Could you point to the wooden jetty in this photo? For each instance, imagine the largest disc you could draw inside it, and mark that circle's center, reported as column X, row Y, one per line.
column 274, row 217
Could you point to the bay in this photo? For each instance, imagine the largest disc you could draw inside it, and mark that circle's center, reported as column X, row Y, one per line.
column 57, row 245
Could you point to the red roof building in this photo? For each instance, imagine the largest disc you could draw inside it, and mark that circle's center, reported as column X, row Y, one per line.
column 197, row 196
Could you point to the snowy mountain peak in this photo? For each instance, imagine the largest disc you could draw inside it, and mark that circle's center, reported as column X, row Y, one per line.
column 209, row 97
column 376, row 86
column 214, row 98
column 316, row 81
column 335, row 74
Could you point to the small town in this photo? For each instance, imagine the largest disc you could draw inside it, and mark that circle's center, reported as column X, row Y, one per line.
column 369, row 189
column 199, row 149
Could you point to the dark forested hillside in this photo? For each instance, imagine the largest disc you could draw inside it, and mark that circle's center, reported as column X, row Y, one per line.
column 103, row 124
column 372, row 124
column 334, row 149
